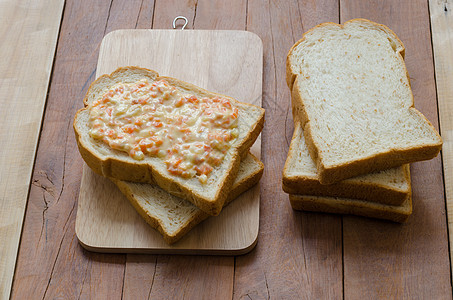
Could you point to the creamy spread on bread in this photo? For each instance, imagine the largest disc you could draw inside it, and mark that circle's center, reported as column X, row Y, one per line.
column 191, row 134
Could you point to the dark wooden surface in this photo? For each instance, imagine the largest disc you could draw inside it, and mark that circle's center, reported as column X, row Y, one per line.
column 298, row 255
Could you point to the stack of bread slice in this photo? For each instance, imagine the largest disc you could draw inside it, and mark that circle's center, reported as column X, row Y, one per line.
column 356, row 128
column 170, row 203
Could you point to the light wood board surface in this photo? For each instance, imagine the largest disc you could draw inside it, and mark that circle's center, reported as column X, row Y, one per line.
column 28, row 32
column 442, row 36
column 227, row 62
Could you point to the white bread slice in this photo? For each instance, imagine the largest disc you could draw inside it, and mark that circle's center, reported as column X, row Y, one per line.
column 173, row 217
column 108, row 162
column 351, row 86
column 353, row 207
column 390, row 186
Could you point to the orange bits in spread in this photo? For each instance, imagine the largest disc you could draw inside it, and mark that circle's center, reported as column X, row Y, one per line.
column 189, row 133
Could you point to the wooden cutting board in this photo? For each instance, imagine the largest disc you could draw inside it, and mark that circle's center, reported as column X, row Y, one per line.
column 227, row 62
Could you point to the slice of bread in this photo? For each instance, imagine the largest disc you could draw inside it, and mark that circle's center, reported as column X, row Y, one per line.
column 108, row 162
column 353, row 207
column 173, row 217
column 390, row 186
column 351, row 87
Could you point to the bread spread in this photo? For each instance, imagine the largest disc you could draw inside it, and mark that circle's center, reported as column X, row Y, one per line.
column 191, row 134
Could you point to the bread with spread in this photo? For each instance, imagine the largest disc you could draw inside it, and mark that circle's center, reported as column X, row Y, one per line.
column 137, row 126
column 173, row 217
column 391, row 186
column 355, row 101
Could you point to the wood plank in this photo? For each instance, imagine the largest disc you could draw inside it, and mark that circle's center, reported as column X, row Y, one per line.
column 167, row 11
column 139, row 276
column 442, row 37
column 220, row 15
column 219, row 280
column 107, row 273
column 205, row 277
column 129, row 14
column 297, row 253
column 51, row 263
column 29, row 31
column 142, row 269
column 103, row 278
column 384, row 260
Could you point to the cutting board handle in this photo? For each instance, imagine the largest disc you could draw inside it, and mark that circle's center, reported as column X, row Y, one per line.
column 180, row 18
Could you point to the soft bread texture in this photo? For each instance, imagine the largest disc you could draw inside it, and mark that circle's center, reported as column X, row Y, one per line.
column 351, row 88
column 173, row 217
column 391, row 186
column 353, row 207
column 209, row 197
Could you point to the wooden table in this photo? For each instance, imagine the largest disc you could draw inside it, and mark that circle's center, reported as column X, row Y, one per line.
column 298, row 255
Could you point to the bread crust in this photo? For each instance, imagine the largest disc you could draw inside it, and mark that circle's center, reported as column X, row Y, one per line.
column 118, row 165
column 237, row 189
column 381, row 161
column 291, row 74
column 355, row 188
column 398, row 214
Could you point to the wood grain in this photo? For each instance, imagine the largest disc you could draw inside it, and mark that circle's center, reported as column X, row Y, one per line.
column 404, row 253
column 297, row 253
column 139, row 276
column 442, row 36
column 29, row 32
column 227, row 62
column 51, row 263
column 166, row 11
column 202, row 277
